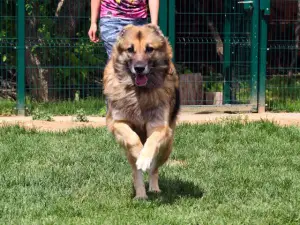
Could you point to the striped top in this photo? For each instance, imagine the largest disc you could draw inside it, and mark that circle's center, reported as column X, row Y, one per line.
column 131, row 9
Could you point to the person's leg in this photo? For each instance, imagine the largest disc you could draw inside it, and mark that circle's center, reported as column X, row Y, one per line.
column 140, row 22
column 109, row 29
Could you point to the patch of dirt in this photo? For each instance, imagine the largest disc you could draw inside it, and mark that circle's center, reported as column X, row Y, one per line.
column 59, row 123
column 283, row 119
column 63, row 123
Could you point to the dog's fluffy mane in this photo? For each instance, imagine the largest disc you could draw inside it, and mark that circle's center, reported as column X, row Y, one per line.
column 141, row 103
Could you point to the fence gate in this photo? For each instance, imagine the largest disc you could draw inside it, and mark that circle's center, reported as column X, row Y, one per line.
column 218, row 48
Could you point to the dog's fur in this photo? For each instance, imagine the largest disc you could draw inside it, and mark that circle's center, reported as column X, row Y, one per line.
column 142, row 115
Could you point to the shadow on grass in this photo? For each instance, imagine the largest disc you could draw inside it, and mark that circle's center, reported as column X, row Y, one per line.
column 173, row 189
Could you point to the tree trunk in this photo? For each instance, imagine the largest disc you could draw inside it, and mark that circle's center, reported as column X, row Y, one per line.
column 67, row 12
column 37, row 76
column 202, row 7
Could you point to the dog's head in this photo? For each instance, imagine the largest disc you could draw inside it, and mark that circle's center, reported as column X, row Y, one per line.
column 143, row 54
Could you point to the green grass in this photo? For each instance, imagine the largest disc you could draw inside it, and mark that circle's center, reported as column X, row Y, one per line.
column 283, row 94
column 91, row 106
column 234, row 174
column 284, row 106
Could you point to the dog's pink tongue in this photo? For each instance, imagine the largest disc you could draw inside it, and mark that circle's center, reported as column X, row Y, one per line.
column 141, row 80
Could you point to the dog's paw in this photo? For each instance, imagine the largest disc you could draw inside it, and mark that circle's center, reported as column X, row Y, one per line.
column 140, row 197
column 143, row 163
column 154, row 190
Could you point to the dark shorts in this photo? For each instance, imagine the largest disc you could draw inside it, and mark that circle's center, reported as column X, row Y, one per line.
column 110, row 27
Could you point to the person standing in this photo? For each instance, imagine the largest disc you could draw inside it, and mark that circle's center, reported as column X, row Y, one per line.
column 116, row 14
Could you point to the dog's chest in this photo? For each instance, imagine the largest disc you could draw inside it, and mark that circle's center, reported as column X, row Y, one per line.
column 136, row 115
column 138, row 111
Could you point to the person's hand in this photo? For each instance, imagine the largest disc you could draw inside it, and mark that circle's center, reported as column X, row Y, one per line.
column 93, row 33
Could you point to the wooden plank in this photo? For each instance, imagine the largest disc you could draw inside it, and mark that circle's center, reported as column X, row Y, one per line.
column 191, row 89
column 214, row 108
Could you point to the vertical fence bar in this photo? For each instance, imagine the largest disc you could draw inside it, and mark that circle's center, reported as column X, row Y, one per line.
column 227, row 51
column 163, row 16
column 21, row 58
column 254, row 51
column 171, row 32
column 264, row 11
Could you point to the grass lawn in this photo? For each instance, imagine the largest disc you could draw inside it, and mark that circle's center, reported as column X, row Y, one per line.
column 284, row 106
column 232, row 174
column 90, row 106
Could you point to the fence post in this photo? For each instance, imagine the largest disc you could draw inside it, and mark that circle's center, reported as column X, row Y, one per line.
column 21, row 57
column 163, row 16
column 264, row 11
column 254, row 52
column 227, row 52
column 172, row 22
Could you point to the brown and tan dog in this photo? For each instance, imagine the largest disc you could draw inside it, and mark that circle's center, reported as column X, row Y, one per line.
column 141, row 85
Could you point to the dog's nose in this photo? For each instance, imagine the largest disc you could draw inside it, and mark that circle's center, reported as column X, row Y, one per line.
column 139, row 69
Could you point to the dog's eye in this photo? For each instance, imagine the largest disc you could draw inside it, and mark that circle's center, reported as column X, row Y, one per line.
column 130, row 49
column 149, row 49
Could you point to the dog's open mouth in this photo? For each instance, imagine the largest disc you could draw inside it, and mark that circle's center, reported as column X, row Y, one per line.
column 141, row 80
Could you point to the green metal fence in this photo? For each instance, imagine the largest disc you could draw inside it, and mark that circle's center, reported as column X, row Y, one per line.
column 55, row 60
column 61, row 61
column 217, row 46
column 230, row 53
column 8, row 43
column 283, row 71
column 239, row 53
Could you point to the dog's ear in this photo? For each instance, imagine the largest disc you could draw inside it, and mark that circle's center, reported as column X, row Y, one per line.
column 120, row 37
column 123, row 31
column 158, row 32
column 169, row 49
column 156, row 29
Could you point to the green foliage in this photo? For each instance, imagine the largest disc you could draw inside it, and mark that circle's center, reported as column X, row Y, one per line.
column 7, row 107
column 102, row 111
column 81, row 116
column 41, row 115
column 8, row 32
column 182, row 69
column 213, row 87
column 77, row 96
column 283, row 93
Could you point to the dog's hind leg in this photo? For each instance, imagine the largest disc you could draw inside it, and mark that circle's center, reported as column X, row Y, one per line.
column 132, row 144
column 153, row 179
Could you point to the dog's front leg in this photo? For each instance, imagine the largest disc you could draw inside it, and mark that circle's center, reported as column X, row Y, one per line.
column 127, row 138
column 133, row 145
column 157, row 137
